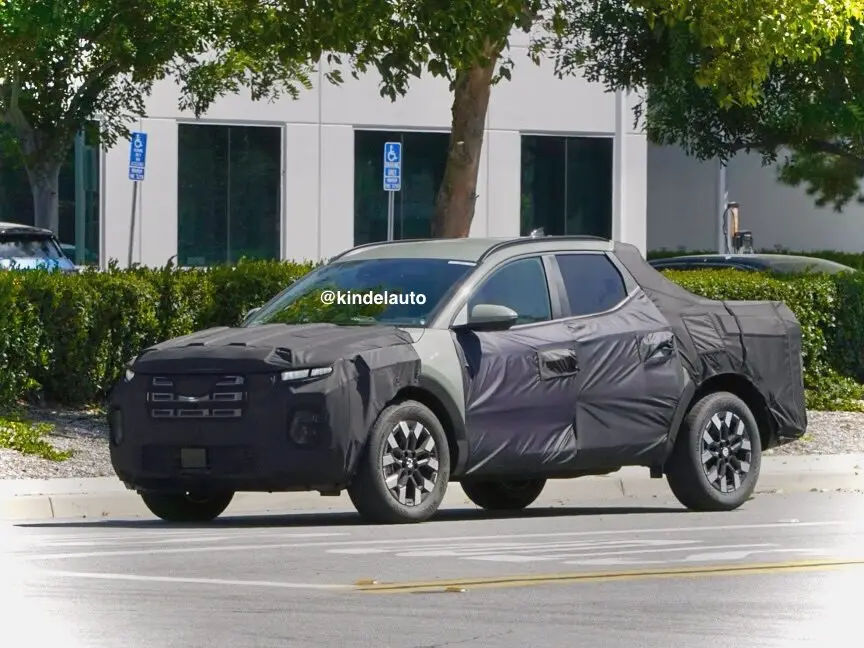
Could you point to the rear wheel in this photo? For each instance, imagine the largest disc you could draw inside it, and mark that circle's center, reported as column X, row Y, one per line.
column 504, row 495
column 187, row 507
column 717, row 456
column 403, row 472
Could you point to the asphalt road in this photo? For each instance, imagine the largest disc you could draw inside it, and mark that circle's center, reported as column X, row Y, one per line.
column 783, row 571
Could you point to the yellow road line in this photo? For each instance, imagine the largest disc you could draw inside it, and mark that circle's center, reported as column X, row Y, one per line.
column 461, row 584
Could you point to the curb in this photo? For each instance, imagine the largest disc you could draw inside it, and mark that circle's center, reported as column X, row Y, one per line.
column 104, row 498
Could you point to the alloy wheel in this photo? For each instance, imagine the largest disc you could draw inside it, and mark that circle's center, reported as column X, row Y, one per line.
column 409, row 463
column 726, row 451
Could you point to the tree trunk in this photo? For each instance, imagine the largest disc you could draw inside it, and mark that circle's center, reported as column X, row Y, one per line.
column 43, row 157
column 45, row 187
column 454, row 205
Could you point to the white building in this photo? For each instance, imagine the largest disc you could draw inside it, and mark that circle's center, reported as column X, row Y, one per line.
column 684, row 207
column 303, row 179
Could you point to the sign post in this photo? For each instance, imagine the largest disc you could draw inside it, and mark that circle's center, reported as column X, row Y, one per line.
column 137, row 164
column 392, row 180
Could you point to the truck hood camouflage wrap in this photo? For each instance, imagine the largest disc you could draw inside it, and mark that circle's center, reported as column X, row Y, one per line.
column 239, row 391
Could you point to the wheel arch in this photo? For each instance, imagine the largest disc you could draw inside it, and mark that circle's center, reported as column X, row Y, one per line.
column 744, row 389
column 433, row 395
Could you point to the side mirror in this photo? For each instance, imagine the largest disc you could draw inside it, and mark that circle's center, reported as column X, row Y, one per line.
column 491, row 317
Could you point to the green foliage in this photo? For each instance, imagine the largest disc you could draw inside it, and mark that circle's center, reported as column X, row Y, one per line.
column 64, row 64
column 781, row 78
column 236, row 289
column 847, row 343
column 29, row 438
column 67, row 338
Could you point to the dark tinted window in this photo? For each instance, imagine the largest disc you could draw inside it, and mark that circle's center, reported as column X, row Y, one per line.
column 228, row 193
column 593, row 283
column 567, row 185
column 369, row 291
column 520, row 285
column 424, row 156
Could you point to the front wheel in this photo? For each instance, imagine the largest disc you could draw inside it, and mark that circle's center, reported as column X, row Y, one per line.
column 403, row 472
column 504, row 495
column 187, row 507
column 717, row 456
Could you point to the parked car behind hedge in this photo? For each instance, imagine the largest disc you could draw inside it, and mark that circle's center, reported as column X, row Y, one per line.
column 775, row 263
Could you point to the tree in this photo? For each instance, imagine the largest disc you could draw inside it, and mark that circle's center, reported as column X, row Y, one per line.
column 719, row 80
column 463, row 41
column 66, row 62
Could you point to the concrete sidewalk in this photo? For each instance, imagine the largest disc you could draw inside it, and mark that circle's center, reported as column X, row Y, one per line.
column 106, row 497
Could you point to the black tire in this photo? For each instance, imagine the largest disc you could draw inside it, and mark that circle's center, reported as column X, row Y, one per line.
column 369, row 490
column 693, row 483
column 187, row 507
column 504, row 495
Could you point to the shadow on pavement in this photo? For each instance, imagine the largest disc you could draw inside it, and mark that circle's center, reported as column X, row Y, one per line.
column 313, row 519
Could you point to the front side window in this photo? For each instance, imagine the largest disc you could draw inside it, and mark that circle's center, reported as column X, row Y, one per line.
column 369, row 291
column 520, row 285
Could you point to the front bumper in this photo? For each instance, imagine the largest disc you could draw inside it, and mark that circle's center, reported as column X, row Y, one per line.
column 217, row 432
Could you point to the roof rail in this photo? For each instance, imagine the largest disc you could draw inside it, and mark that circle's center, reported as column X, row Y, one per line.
column 364, row 246
column 523, row 240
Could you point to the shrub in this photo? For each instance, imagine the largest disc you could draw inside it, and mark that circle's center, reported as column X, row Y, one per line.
column 66, row 338
column 28, row 438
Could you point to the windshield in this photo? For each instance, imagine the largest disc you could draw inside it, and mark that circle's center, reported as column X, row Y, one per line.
column 24, row 247
column 371, row 291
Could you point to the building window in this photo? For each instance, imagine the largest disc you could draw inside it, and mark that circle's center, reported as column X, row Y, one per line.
column 424, row 156
column 567, row 185
column 78, row 200
column 228, row 193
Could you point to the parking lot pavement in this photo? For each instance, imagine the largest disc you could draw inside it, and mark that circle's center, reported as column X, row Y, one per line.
column 268, row 580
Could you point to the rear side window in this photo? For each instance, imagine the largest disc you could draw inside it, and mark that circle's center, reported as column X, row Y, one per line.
column 592, row 281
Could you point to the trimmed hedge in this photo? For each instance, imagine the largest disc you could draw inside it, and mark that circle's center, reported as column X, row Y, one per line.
column 66, row 338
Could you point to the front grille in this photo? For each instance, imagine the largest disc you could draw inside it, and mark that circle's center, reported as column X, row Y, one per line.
column 197, row 397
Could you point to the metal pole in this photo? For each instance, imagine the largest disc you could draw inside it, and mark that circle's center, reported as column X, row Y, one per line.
column 722, row 199
column 132, row 223
column 80, row 199
column 391, row 207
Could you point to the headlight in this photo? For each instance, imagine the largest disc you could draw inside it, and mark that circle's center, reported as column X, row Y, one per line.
column 303, row 374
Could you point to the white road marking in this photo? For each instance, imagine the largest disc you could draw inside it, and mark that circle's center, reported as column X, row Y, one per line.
column 719, row 556
column 435, row 541
column 100, row 541
column 195, row 581
column 468, row 550
column 509, row 558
